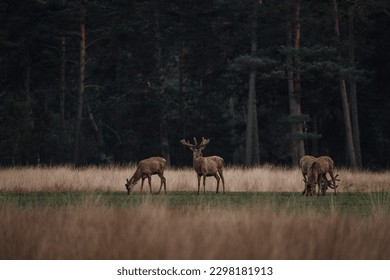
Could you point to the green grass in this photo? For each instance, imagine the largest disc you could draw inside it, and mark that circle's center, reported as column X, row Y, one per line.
column 360, row 204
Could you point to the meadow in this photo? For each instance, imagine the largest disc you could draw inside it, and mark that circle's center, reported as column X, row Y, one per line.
column 84, row 213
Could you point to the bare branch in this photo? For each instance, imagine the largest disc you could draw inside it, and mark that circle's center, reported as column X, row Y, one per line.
column 94, row 41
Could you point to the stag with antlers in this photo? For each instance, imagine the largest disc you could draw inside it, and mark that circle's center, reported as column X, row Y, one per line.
column 316, row 170
column 205, row 166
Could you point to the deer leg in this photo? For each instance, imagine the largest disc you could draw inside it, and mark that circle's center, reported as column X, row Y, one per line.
column 319, row 183
column 223, row 180
column 199, row 183
column 150, row 183
column 305, row 184
column 142, row 183
column 333, row 181
column 162, row 180
column 321, row 186
column 326, row 185
column 217, row 177
column 204, row 184
column 307, row 190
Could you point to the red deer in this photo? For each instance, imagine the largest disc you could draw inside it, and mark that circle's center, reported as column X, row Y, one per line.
column 145, row 169
column 304, row 164
column 205, row 166
column 316, row 174
column 326, row 165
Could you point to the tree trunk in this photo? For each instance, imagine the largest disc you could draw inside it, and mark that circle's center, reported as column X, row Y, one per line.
column 27, row 88
column 252, row 144
column 62, row 90
column 297, row 149
column 297, row 80
column 347, row 122
column 181, row 69
column 256, row 146
column 353, row 89
column 290, row 86
column 314, row 147
column 164, row 142
column 97, row 132
column 79, row 114
column 182, row 114
column 344, row 98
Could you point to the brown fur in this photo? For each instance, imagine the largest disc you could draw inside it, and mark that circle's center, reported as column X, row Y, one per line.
column 206, row 166
column 304, row 163
column 146, row 168
column 313, row 177
column 326, row 165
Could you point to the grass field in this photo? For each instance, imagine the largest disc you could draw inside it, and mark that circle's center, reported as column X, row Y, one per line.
column 69, row 213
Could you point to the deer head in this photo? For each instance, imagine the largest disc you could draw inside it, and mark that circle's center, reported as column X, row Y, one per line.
column 129, row 185
column 195, row 148
column 310, row 187
column 330, row 182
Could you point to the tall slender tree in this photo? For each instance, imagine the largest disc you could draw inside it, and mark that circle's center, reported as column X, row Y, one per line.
column 344, row 96
column 164, row 141
column 294, row 84
column 62, row 94
column 353, row 85
column 252, row 154
column 80, row 99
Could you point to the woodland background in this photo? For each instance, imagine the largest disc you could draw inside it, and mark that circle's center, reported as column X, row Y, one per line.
column 89, row 82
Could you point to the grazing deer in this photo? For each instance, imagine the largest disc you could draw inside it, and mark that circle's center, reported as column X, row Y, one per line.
column 205, row 166
column 316, row 174
column 326, row 165
column 145, row 169
column 304, row 164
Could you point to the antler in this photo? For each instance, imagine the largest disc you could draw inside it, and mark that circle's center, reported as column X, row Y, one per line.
column 196, row 146
column 186, row 143
column 330, row 182
column 203, row 143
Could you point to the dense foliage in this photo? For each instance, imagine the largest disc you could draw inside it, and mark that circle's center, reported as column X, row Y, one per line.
column 159, row 71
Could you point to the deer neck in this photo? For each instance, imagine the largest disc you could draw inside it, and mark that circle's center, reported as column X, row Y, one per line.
column 136, row 176
column 197, row 161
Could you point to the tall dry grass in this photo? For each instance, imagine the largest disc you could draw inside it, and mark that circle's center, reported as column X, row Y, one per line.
column 112, row 178
column 152, row 231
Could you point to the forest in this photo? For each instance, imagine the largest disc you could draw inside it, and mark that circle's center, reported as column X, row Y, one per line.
column 94, row 82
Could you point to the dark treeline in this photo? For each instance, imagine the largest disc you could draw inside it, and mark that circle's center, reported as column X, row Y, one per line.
column 94, row 81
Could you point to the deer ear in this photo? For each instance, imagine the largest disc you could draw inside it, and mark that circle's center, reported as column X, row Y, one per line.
column 127, row 180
